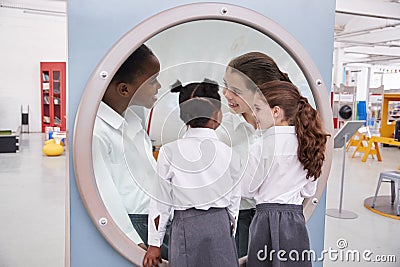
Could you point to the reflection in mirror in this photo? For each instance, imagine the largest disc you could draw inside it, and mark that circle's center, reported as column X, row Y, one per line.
column 229, row 40
column 128, row 127
column 126, row 202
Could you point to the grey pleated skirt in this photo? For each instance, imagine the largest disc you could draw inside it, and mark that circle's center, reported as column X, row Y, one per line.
column 202, row 238
column 278, row 227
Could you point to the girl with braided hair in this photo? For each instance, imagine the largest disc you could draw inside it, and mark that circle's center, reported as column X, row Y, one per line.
column 283, row 169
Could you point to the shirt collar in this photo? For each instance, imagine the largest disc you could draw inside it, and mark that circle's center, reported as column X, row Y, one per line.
column 110, row 116
column 200, row 132
column 238, row 119
column 279, row 130
column 134, row 122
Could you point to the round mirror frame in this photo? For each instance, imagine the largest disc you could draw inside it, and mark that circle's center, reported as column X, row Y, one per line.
column 100, row 78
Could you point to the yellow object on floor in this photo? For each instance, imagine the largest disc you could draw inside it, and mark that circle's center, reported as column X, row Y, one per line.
column 52, row 149
column 385, row 140
column 354, row 141
column 367, row 147
column 388, row 123
column 372, row 147
column 53, row 141
column 382, row 207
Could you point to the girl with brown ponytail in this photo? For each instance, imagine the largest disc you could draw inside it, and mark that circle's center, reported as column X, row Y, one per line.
column 282, row 171
column 242, row 77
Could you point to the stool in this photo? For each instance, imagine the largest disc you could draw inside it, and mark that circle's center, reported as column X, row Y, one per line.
column 394, row 178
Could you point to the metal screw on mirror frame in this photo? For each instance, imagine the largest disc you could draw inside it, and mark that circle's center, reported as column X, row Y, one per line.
column 103, row 74
column 103, row 221
column 318, row 82
column 224, row 10
column 315, row 201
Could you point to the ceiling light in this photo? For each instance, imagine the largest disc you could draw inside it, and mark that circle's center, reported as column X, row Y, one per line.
column 356, row 55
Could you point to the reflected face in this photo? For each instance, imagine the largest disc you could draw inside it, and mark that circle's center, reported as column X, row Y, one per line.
column 239, row 96
column 146, row 85
column 263, row 112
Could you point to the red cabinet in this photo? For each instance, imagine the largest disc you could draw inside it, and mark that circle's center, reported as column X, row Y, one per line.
column 53, row 85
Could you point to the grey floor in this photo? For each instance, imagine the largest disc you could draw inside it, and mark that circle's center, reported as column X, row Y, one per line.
column 32, row 208
column 369, row 231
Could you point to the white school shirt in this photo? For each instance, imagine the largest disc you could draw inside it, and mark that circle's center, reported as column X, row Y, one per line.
column 117, row 187
column 275, row 175
column 197, row 171
column 237, row 133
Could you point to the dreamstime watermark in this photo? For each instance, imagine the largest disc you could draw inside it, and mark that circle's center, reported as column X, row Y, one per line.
column 341, row 253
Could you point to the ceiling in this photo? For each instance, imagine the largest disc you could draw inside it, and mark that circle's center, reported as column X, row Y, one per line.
column 366, row 31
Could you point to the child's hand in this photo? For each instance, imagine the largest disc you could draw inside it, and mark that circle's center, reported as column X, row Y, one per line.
column 152, row 257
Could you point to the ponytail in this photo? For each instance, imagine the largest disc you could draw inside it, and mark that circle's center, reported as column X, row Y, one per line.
column 176, row 87
column 311, row 138
column 299, row 113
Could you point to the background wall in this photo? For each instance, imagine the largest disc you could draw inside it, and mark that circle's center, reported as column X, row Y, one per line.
column 27, row 39
column 94, row 28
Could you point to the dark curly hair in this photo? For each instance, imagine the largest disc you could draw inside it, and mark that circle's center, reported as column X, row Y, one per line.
column 298, row 112
column 132, row 66
column 198, row 102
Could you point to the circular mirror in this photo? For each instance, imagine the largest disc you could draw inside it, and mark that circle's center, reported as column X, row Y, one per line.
column 198, row 45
